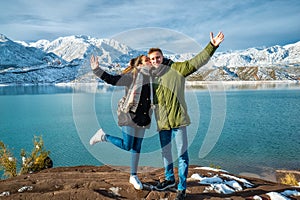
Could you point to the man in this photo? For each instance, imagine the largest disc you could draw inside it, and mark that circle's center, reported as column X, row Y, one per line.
column 171, row 110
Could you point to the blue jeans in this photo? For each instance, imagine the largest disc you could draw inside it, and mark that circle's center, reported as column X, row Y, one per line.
column 131, row 141
column 180, row 136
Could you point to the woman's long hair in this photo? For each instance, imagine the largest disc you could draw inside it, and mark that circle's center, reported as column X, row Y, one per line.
column 133, row 63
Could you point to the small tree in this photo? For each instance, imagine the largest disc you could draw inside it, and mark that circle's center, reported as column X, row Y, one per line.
column 7, row 162
column 37, row 160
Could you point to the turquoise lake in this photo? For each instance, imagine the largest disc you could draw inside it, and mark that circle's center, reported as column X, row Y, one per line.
column 241, row 130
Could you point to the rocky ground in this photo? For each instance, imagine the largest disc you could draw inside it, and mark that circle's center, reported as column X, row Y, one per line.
column 104, row 182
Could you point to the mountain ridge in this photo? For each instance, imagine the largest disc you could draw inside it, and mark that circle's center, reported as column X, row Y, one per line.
column 66, row 60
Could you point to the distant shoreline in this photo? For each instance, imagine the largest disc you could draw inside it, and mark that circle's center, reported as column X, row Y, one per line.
column 240, row 85
column 296, row 82
column 241, row 82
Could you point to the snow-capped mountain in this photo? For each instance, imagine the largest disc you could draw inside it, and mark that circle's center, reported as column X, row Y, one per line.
column 78, row 47
column 17, row 55
column 63, row 60
column 270, row 63
column 21, row 64
column 66, row 59
column 271, row 56
column 112, row 55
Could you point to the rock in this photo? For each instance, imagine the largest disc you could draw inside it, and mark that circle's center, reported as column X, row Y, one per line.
column 105, row 182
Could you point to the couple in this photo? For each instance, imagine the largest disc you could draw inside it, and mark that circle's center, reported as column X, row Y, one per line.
column 170, row 112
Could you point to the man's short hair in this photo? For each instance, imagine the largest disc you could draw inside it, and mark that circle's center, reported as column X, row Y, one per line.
column 151, row 50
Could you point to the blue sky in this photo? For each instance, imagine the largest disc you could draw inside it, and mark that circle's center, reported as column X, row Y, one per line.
column 247, row 23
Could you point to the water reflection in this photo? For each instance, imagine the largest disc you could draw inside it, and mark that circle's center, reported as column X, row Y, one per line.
column 54, row 89
column 33, row 89
column 101, row 88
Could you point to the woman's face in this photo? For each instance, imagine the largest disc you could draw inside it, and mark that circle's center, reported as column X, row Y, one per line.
column 146, row 61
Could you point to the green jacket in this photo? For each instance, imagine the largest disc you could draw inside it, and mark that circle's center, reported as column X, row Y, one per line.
column 169, row 97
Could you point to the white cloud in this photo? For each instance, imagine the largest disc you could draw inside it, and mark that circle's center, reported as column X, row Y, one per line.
column 245, row 24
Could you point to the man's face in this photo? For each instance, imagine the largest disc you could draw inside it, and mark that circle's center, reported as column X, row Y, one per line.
column 156, row 58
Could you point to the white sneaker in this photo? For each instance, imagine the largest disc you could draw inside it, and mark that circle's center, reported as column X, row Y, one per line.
column 134, row 180
column 98, row 137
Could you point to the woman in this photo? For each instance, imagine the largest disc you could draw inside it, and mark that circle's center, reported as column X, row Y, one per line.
column 138, row 103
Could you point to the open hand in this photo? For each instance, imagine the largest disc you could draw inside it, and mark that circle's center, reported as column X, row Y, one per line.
column 94, row 62
column 216, row 41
